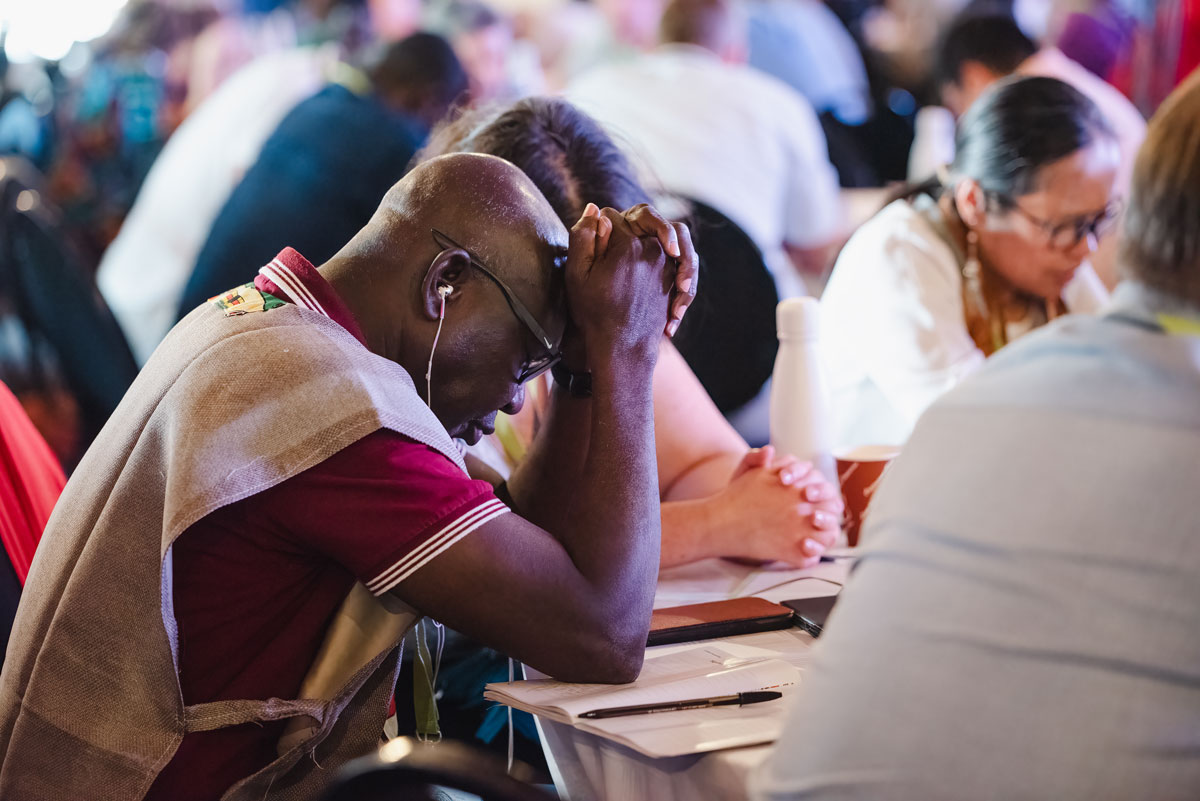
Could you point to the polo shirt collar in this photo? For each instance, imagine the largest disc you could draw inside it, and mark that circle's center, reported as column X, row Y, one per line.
column 291, row 277
column 1174, row 315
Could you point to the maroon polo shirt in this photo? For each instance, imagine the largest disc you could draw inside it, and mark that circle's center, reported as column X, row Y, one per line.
column 257, row 582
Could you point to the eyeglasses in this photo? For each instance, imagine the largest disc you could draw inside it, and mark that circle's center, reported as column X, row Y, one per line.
column 534, row 367
column 1068, row 234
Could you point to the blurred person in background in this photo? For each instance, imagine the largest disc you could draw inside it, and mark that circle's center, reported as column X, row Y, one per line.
column 963, row 264
column 1097, row 33
column 244, row 31
column 1022, row 622
column 704, row 126
column 143, row 272
column 901, row 34
column 320, row 175
column 979, row 49
column 500, row 67
column 633, row 25
column 573, row 37
column 114, row 120
column 707, row 127
column 25, row 129
column 250, row 29
column 1156, row 56
column 805, row 45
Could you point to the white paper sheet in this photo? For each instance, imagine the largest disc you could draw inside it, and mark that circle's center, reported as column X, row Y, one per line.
column 700, row 670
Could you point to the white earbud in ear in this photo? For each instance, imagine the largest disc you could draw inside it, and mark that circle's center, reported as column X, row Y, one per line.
column 444, row 291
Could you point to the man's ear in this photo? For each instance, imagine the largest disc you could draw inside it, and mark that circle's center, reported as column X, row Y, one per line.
column 971, row 202
column 443, row 281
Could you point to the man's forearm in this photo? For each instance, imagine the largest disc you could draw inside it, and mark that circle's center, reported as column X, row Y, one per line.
column 543, row 485
column 592, row 482
column 613, row 526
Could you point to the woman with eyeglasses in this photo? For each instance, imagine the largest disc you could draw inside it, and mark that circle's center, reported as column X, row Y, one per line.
column 992, row 248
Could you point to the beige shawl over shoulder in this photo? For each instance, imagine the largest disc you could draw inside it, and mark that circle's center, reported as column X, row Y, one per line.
column 227, row 407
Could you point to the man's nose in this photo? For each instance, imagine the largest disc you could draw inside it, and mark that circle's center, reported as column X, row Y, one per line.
column 518, row 401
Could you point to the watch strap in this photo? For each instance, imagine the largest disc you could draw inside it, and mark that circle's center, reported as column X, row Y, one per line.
column 577, row 385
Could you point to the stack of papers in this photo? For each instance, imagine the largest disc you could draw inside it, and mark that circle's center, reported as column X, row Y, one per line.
column 703, row 670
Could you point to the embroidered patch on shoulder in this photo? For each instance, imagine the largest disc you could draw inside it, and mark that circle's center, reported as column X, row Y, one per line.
column 243, row 300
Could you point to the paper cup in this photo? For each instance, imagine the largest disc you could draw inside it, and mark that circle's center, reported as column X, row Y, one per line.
column 860, row 471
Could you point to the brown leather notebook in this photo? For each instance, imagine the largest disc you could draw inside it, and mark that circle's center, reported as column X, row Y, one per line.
column 716, row 619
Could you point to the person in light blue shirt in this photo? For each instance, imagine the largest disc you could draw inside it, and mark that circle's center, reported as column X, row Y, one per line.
column 1024, row 620
column 805, row 45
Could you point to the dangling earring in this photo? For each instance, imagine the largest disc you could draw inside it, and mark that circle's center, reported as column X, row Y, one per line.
column 971, row 271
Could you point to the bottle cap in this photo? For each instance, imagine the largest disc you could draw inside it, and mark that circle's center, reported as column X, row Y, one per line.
column 798, row 318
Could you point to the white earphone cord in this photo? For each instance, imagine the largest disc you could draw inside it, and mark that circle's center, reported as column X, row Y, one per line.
column 443, row 291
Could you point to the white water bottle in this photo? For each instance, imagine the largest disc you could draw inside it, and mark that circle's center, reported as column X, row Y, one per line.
column 801, row 423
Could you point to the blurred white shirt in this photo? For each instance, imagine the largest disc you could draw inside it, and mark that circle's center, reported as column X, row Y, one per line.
column 145, row 269
column 729, row 136
column 893, row 332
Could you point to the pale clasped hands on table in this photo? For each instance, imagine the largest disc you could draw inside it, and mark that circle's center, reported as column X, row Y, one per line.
column 774, row 508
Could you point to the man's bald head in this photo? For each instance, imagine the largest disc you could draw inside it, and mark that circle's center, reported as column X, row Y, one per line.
column 483, row 202
column 403, row 285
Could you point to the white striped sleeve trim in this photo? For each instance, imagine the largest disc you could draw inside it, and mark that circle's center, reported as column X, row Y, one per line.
column 439, row 542
column 282, row 275
column 290, row 276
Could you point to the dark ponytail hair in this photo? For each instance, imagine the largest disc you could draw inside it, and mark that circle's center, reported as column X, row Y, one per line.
column 566, row 153
column 1015, row 128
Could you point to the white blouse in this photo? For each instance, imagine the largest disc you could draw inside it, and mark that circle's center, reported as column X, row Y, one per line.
column 893, row 330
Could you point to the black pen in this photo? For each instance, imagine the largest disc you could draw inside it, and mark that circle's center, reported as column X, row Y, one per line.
column 741, row 699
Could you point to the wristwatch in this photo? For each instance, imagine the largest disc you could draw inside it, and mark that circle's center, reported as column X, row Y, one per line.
column 577, row 385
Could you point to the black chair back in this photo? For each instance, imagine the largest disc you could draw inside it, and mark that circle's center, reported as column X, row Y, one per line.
column 405, row 769
column 728, row 335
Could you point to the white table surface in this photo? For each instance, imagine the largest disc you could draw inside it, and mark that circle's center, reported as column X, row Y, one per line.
column 590, row 768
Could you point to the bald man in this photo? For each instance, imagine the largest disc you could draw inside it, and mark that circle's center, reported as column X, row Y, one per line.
column 280, row 491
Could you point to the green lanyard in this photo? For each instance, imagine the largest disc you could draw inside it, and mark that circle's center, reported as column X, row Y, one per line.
column 1179, row 326
column 425, row 670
